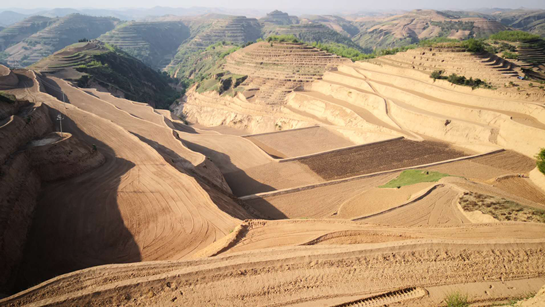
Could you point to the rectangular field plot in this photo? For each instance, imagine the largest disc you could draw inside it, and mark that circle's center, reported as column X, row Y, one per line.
column 299, row 142
column 379, row 157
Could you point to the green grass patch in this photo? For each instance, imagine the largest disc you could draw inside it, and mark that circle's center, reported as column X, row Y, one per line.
column 208, row 85
column 5, row 97
column 414, row 176
column 457, row 299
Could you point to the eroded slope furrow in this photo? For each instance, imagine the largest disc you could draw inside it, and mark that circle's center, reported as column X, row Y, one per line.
column 278, row 279
column 135, row 207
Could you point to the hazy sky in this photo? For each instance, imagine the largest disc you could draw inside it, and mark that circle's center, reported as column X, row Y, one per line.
column 298, row 5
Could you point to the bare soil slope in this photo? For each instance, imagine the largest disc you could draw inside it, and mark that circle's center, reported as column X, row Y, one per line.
column 155, row 211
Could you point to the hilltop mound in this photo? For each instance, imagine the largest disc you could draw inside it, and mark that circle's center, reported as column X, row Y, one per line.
column 96, row 64
column 61, row 33
column 277, row 17
column 154, row 43
column 336, row 23
column 276, row 69
column 23, row 29
column 311, row 32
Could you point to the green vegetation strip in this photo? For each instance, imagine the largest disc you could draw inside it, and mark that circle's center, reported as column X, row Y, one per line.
column 414, row 176
column 540, row 161
column 5, row 97
column 500, row 208
column 514, row 36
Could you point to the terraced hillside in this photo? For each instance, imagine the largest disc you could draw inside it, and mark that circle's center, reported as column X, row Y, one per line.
column 410, row 28
column 279, row 18
column 154, row 43
column 339, row 24
column 276, row 69
column 17, row 32
column 523, row 19
column 63, row 32
column 311, row 32
column 210, row 30
column 202, row 64
column 524, row 49
column 495, row 70
column 370, row 101
column 233, row 29
column 186, row 214
column 96, row 64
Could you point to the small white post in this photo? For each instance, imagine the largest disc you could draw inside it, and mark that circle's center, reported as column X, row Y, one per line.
column 60, row 118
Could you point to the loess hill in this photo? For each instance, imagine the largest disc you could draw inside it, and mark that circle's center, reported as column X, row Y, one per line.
column 286, row 175
column 57, row 35
column 96, row 64
column 165, row 41
column 412, row 27
column 154, row 43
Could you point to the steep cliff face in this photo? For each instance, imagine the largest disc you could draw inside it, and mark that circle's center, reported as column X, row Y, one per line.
column 19, row 183
column 30, row 154
column 19, row 188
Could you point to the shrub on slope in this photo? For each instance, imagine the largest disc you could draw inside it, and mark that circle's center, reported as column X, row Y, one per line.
column 514, row 36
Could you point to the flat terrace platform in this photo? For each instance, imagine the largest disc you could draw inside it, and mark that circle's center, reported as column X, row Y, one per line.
column 378, row 157
column 299, row 142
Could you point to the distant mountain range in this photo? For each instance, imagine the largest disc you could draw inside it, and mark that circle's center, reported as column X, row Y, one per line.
column 11, row 16
column 162, row 37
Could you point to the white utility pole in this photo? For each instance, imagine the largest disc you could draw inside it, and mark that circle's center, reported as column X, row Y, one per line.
column 60, row 118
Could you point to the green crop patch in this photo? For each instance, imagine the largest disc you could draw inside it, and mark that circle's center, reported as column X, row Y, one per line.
column 414, row 176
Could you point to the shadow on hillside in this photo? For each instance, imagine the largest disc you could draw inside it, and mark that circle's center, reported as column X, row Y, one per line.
column 240, row 183
column 225, row 201
column 24, row 81
column 267, row 210
column 77, row 223
column 183, row 128
column 53, row 89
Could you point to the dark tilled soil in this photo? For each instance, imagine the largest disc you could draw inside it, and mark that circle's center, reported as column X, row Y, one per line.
column 379, row 157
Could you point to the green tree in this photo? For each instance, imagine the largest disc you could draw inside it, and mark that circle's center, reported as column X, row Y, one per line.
column 540, row 163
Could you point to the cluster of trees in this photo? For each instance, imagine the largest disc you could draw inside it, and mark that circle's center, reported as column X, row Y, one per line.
column 283, row 39
column 473, row 45
column 459, row 80
column 342, row 50
column 514, row 36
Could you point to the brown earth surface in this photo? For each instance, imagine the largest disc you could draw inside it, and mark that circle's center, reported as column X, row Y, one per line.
column 294, row 143
column 379, row 157
column 159, row 200
column 154, row 210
